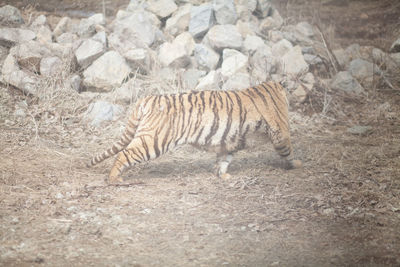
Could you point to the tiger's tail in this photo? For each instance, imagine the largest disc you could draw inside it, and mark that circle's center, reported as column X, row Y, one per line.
column 122, row 143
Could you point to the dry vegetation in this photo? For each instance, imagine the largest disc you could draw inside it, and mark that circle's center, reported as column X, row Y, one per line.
column 343, row 208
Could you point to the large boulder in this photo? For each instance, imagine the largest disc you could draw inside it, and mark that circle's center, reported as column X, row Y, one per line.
column 275, row 21
column 10, row 16
column 252, row 43
column 293, row 63
column 191, row 77
column 225, row 11
column 363, row 71
column 12, row 36
column 88, row 51
column 42, row 29
column 233, row 62
column 220, row 37
column 138, row 59
column 107, row 72
column 263, row 63
column 173, row 55
column 162, row 8
column 238, row 81
column 29, row 55
column 201, row 19
column 280, row 48
column 210, row 81
column 206, row 57
column 62, row 26
column 343, row 81
column 179, row 21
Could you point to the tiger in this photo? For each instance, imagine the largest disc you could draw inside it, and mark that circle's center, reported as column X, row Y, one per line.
column 217, row 121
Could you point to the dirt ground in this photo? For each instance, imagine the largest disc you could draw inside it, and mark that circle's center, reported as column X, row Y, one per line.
column 341, row 209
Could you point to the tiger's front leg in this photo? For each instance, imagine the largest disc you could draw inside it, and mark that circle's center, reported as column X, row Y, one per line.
column 223, row 162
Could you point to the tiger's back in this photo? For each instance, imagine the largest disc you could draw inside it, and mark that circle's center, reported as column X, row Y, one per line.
column 218, row 121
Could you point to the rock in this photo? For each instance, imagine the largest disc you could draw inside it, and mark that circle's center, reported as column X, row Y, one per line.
column 275, row 36
column 280, row 48
column 363, row 71
column 42, row 29
column 107, row 72
column 138, row 59
column 186, row 40
column 142, row 35
column 233, row 62
column 309, row 81
column 395, row 47
column 224, row 36
column 378, row 56
column 51, row 67
column 263, row 64
column 345, row 82
column 305, row 28
column 12, row 74
column 312, row 59
column 252, row 43
column 238, row 81
column 264, row 8
column 10, row 16
column 125, row 39
column 293, row 62
column 29, row 55
column 86, row 28
column 98, row 19
column 300, row 94
column 353, row 51
column 191, row 77
column 88, row 52
column 129, row 92
column 201, row 19
column 101, row 111
column 62, row 26
column 341, row 57
column 206, row 57
column 74, row 82
column 162, row 8
column 210, row 81
column 173, row 55
column 179, row 21
column 12, row 36
column 273, row 22
column 360, row 130
column 66, row 38
column 250, row 5
column 246, row 28
column 224, row 11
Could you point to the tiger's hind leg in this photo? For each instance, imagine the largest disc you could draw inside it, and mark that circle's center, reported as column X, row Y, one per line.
column 283, row 147
column 223, row 161
column 136, row 152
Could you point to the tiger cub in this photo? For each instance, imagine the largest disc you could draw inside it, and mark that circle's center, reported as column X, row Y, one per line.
column 214, row 120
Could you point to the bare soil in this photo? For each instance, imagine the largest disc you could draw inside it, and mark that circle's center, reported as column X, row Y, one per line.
column 341, row 209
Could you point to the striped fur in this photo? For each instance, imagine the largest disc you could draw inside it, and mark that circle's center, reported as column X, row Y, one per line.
column 218, row 121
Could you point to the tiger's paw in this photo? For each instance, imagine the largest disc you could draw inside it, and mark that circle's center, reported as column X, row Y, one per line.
column 225, row 176
column 115, row 180
column 295, row 164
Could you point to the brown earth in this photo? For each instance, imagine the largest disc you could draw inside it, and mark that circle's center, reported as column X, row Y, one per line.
column 341, row 209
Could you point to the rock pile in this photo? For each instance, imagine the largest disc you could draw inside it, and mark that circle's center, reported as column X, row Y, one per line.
column 220, row 44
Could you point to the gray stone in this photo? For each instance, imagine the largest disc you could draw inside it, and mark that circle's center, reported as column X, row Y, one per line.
column 74, row 82
column 173, row 55
column 275, row 36
column 88, row 52
column 12, row 74
column 353, row 51
column 107, row 72
column 300, row 94
column 29, row 55
column 201, row 19
column 86, row 28
column 305, row 28
column 162, row 8
column 124, row 39
column 341, row 57
column 51, row 66
column 10, row 16
column 44, row 34
column 360, row 130
column 293, row 62
column 220, row 37
column 273, row 22
column 378, row 56
column 345, row 82
column 66, row 38
column 237, row 82
column 312, row 59
column 12, row 36
column 363, row 71
column 251, row 5
column 233, row 62
column 101, row 111
column 246, row 28
column 186, row 40
column 179, row 21
column 138, row 59
column 62, row 26
column 280, row 48
column 264, row 8
column 100, row 37
column 206, row 57
column 129, row 92
column 263, row 63
column 98, row 19
column 210, row 81
column 225, row 12
column 252, row 43
column 395, row 47
column 191, row 77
